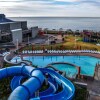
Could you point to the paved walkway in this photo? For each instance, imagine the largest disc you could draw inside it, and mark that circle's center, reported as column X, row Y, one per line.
column 94, row 90
column 93, row 86
column 92, row 97
column 97, row 73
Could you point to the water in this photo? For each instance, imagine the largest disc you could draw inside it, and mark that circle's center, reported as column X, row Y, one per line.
column 74, row 23
column 86, row 63
column 69, row 69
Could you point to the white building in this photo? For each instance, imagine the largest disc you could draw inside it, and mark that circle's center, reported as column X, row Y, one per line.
column 12, row 30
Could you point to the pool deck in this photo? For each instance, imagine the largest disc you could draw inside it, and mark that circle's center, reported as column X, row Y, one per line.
column 94, row 89
column 62, row 54
column 93, row 86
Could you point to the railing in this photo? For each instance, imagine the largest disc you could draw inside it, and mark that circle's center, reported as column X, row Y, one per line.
column 59, row 51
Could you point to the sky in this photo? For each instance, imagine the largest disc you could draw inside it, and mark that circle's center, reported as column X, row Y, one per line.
column 52, row 8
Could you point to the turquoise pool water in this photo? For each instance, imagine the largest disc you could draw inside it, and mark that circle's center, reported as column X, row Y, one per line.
column 70, row 70
column 87, row 63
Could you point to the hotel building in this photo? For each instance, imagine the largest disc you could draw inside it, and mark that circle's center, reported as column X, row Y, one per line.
column 10, row 31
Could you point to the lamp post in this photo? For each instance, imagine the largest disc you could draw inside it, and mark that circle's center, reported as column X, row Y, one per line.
column 17, row 44
column 46, row 29
column 75, row 42
column 28, row 39
column 48, row 40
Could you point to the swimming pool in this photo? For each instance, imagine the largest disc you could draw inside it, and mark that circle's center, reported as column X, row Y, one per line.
column 87, row 63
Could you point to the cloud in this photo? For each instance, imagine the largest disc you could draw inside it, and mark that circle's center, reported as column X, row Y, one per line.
column 67, row 0
column 50, row 7
column 91, row 2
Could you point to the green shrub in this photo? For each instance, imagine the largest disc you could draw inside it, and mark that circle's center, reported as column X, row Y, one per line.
column 80, row 93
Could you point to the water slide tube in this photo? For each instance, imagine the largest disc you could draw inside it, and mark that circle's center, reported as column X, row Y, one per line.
column 27, row 89
column 16, row 81
column 66, row 94
column 68, row 88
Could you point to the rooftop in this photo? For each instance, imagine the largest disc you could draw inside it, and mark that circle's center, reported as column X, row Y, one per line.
column 16, row 30
column 3, row 19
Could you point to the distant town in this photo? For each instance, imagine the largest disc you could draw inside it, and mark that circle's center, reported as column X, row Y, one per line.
column 13, row 31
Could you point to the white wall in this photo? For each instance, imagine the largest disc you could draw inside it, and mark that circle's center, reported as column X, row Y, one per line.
column 17, row 34
column 34, row 31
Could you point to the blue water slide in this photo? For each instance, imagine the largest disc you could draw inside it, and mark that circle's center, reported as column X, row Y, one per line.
column 16, row 81
column 26, row 90
column 68, row 88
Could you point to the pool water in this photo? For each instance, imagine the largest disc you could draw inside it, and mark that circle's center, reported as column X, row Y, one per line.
column 70, row 70
column 87, row 63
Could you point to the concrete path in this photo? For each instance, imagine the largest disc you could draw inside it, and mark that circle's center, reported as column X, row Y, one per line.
column 94, row 90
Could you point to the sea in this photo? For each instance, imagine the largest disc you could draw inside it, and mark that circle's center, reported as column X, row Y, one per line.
column 74, row 23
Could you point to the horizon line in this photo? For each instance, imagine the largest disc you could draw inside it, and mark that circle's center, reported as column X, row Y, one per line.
column 61, row 16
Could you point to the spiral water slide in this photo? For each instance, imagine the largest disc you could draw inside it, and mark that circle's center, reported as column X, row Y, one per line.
column 35, row 79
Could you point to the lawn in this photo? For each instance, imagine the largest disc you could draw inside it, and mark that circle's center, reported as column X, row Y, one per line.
column 68, row 44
